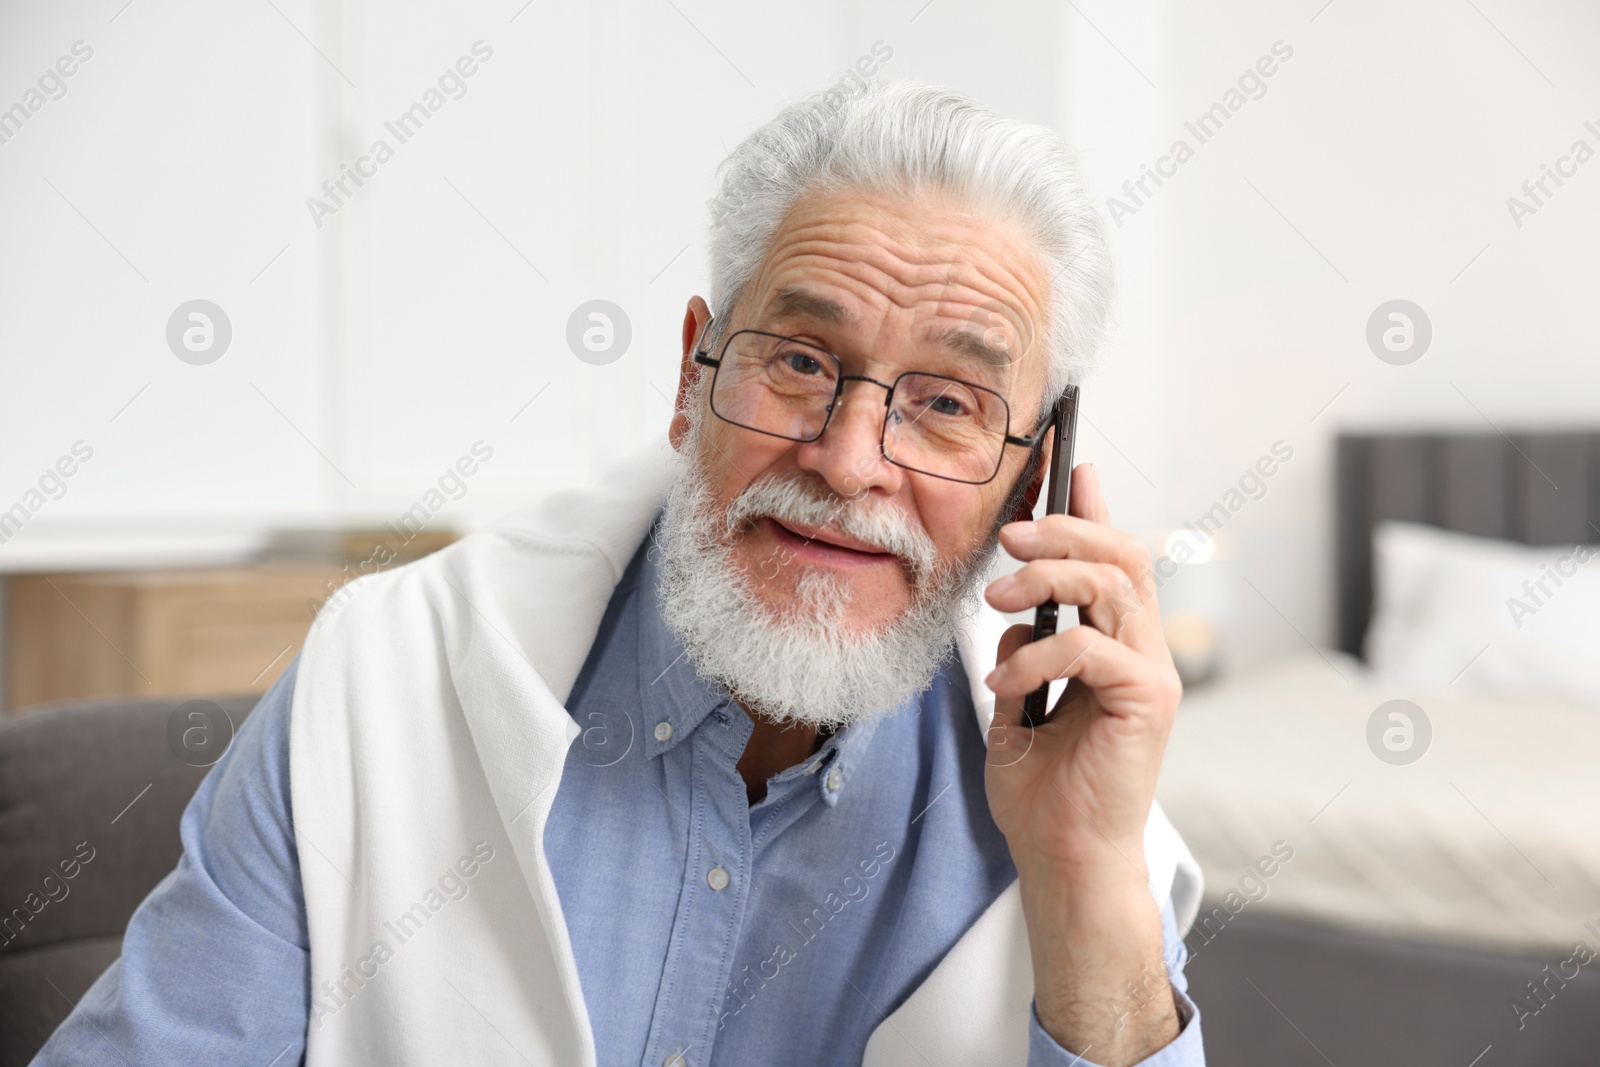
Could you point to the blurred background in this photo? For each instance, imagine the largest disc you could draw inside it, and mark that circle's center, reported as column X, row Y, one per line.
column 259, row 369
column 372, row 345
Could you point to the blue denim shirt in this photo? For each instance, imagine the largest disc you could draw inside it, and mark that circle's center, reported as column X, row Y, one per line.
column 702, row 925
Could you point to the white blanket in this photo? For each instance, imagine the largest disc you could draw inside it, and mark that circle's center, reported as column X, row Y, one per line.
column 427, row 743
column 1491, row 837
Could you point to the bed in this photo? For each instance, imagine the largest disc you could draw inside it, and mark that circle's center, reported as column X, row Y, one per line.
column 1413, row 893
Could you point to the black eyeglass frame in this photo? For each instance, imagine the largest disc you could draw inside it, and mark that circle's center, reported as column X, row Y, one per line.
column 703, row 357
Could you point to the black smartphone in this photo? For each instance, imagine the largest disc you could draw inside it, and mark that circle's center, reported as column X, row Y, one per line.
column 1058, row 492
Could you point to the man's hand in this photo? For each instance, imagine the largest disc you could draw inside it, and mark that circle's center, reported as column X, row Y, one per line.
column 1073, row 795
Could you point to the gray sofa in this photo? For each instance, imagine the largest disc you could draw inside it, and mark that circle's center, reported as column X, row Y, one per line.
column 68, row 775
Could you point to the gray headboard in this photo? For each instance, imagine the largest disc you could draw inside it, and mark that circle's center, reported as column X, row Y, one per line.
column 1537, row 488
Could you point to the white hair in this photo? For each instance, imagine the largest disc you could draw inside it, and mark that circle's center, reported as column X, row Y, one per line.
column 898, row 137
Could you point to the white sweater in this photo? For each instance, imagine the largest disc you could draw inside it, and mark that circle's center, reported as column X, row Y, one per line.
column 428, row 732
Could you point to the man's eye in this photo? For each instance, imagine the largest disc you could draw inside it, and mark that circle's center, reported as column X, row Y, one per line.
column 944, row 404
column 802, row 363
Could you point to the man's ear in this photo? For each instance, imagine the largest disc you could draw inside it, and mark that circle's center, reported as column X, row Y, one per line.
column 1030, row 498
column 695, row 319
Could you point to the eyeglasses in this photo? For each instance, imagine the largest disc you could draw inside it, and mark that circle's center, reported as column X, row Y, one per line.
column 932, row 424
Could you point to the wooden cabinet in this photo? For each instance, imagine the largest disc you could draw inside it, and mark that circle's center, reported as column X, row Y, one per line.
column 142, row 633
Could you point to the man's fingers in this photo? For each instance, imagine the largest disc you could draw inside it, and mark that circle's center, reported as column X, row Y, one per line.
column 1087, row 500
column 1110, row 602
column 1057, row 537
column 1008, row 710
column 1080, row 652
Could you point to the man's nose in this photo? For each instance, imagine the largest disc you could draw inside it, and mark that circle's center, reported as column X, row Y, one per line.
column 849, row 454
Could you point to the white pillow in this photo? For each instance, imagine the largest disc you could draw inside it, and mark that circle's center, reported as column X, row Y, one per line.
column 1484, row 616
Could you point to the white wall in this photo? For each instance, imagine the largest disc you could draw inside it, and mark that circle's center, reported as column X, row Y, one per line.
column 415, row 320
column 164, row 174
column 425, row 312
column 1390, row 141
column 590, row 145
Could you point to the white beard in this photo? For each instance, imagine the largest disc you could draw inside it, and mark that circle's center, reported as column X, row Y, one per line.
column 803, row 665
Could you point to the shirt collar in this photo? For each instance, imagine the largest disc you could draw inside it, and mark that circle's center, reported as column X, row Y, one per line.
column 676, row 699
column 834, row 764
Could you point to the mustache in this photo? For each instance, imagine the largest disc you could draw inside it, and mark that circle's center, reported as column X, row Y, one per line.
column 797, row 500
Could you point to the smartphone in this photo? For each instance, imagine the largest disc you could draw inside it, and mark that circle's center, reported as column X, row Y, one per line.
column 1058, row 492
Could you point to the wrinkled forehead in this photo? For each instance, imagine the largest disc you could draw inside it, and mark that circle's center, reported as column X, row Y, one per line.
column 920, row 279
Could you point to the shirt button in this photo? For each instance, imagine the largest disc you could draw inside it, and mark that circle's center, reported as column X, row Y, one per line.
column 663, row 731
column 835, row 779
column 675, row 1060
column 717, row 878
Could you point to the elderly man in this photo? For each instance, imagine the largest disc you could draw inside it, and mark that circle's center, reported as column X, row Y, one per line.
column 712, row 763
